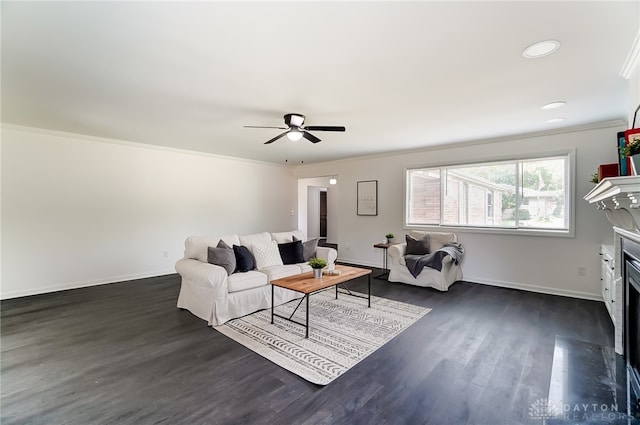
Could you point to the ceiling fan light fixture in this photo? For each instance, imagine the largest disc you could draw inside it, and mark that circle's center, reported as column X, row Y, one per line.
column 540, row 49
column 296, row 120
column 294, row 135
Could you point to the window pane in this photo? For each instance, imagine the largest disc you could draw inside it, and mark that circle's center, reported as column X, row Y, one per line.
column 543, row 194
column 480, row 195
column 517, row 194
column 424, row 196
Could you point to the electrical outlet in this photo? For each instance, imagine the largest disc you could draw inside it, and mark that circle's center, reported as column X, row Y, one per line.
column 166, row 253
column 582, row 271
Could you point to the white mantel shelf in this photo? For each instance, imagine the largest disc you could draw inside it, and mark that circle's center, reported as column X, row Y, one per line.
column 619, row 198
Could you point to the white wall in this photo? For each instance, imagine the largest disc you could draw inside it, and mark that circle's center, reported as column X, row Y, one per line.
column 539, row 263
column 313, row 212
column 79, row 211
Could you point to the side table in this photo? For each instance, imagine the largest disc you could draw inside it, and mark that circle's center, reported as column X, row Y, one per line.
column 385, row 270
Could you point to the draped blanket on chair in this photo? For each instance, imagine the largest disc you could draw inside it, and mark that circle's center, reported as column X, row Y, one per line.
column 415, row 263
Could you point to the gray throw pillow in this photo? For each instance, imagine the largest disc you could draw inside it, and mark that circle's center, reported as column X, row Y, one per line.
column 223, row 244
column 222, row 257
column 309, row 248
column 417, row 246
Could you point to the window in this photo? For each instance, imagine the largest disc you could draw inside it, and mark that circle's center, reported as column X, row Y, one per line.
column 529, row 194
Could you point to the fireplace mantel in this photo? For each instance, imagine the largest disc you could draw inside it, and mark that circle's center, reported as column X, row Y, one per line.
column 619, row 199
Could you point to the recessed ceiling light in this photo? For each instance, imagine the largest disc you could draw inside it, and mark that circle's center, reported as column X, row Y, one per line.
column 540, row 49
column 554, row 105
column 554, row 120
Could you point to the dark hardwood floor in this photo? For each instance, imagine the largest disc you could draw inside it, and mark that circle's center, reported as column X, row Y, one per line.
column 124, row 354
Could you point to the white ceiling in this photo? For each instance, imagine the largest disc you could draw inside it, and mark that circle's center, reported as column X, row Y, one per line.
column 397, row 75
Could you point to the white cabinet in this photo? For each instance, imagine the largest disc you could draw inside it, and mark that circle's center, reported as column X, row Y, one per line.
column 608, row 278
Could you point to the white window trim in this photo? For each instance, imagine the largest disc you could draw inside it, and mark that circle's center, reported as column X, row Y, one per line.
column 570, row 177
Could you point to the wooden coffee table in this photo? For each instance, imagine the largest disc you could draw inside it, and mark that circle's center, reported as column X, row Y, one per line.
column 306, row 284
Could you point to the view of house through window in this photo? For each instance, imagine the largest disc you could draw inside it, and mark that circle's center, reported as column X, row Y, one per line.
column 522, row 194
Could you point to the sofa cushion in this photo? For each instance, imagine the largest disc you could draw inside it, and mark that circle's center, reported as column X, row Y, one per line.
column 417, row 246
column 267, row 255
column 197, row 247
column 244, row 259
column 291, row 252
column 223, row 257
column 255, row 238
column 304, row 267
column 249, row 280
column 277, row 272
column 437, row 239
column 283, row 237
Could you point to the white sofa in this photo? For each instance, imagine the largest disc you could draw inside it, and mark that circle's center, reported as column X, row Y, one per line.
column 211, row 294
column 428, row 277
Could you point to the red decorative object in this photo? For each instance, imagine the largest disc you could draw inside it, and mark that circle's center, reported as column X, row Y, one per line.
column 631, row 134
column 607, row 170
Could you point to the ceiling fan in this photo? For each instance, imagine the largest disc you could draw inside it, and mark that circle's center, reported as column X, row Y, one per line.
column 296, row 131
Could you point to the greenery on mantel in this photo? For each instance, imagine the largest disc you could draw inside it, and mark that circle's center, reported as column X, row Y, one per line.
column 633, row 148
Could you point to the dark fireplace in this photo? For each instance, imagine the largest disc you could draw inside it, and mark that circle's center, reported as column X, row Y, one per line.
column 631, row 315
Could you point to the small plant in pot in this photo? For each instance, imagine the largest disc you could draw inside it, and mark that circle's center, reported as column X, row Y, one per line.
column 389, row 237
column 317, row 264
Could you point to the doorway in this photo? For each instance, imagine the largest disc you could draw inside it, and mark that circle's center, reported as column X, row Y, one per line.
column 323, row 214
column 318, row 202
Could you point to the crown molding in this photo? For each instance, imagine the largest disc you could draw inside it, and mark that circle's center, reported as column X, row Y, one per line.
column 97, row 139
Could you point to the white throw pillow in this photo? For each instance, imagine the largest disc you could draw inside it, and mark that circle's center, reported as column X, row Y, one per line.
column 267, row 255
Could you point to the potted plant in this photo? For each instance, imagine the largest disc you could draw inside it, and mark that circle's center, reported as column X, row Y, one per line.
column 317, row 264
column 632, row 150
column 389, row 237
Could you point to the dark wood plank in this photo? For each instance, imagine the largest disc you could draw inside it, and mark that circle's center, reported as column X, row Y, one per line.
column 123, row 353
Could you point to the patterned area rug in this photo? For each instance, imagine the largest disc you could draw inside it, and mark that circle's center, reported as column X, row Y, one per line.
column 342, row 332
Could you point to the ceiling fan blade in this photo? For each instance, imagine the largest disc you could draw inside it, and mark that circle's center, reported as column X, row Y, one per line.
column 310, row 137
column 325, row 128
column 275, row 138
column 262, row 126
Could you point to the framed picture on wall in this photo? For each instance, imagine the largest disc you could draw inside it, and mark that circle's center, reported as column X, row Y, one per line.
column 367, row 197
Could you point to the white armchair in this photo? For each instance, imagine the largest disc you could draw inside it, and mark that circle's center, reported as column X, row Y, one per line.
column 428, row 277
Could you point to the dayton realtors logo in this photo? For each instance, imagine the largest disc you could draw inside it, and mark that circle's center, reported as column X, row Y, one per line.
column 544, row 409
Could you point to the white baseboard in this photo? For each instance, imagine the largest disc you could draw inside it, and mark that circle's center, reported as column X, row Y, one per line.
column 358, row 262
column 510, row 285
column 82, row 284
column 535, row 288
